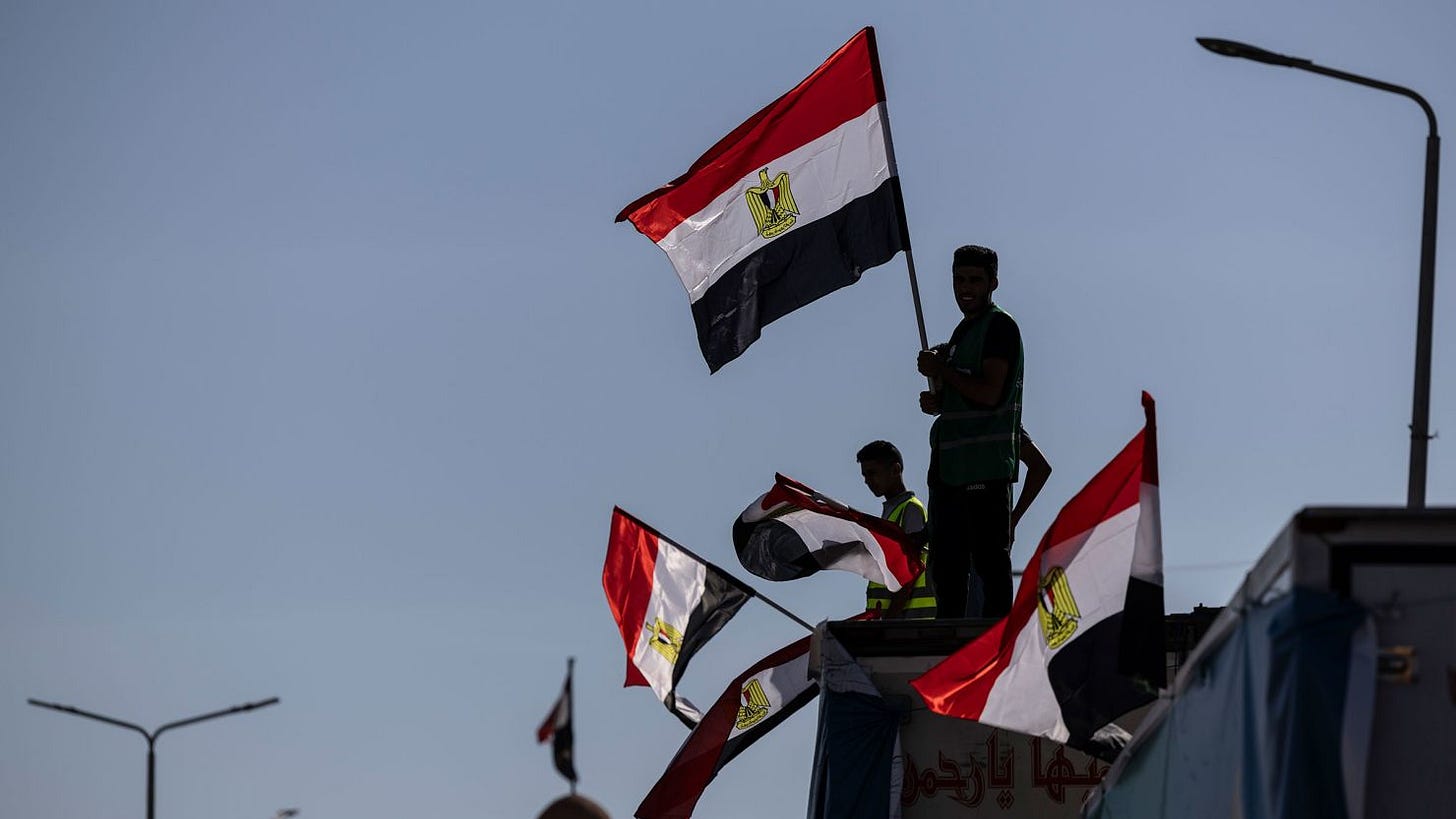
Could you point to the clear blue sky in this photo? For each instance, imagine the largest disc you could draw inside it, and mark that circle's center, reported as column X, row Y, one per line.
column 322, row 363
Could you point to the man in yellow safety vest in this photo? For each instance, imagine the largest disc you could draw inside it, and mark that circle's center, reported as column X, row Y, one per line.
column 883, row 470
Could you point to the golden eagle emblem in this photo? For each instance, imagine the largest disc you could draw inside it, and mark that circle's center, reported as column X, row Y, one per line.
column 755, row 706
column 772, row 204
column 664, row 639
column 1055, row 608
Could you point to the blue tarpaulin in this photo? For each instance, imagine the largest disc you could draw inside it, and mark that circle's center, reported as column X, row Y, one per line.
column 856, row 752
column 1271, row 723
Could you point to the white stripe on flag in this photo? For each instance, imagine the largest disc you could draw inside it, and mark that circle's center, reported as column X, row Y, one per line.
column 678, row 583
column 1096, row 564
column 1147, row 557
column 824, row 176
column 821, row 533
column 779, row 684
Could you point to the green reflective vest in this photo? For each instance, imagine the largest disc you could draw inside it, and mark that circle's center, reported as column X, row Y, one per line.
column 973, row 443
column 921, row 605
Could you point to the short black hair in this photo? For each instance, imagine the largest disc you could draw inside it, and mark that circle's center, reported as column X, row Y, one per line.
column 975, row 256
column 879, row 451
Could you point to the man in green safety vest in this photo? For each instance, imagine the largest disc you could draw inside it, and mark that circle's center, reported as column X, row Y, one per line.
column 975, row 444
column 883, row 470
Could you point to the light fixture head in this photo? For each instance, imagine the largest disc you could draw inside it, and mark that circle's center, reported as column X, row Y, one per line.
column 1233, row 48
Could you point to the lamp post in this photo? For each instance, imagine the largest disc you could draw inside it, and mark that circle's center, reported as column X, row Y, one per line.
column 1421, row 394
column 152, row 736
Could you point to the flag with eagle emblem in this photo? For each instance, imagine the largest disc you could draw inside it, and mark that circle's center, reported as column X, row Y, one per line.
column 752, row 705
column 795, row 203
column 1083, row 643
column 667, row 605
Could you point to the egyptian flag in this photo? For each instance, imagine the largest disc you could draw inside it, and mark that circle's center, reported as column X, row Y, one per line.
column 557, row 728
column 667, row 604
column 1083, row 643
column 751, row 706
column 792, row 532
column 794, row 204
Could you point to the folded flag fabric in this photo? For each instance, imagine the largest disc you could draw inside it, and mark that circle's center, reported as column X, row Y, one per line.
column 557, row 728
column 1082, row 644
column 794, row 204
column 791, row 531
column 751, row 706
column 667, row 604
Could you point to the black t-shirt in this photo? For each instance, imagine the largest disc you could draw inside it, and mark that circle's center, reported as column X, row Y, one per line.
column 1003, row 341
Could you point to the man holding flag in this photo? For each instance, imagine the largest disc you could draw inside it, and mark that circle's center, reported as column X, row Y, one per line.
column 976, row 395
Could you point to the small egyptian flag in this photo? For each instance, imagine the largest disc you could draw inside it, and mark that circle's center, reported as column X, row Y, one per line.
column 557, row 728
column 794, row 204
column 667, row 604
column 791, row 531
column 765, row 695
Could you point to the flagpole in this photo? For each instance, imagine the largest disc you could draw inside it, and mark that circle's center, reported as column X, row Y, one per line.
column 785, row 612
column 690, row 553
column 751, row 590
column 571, row 709
column 899, row 195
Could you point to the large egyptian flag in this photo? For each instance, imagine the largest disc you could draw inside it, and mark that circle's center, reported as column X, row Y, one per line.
column 794, row 204
column 1083, row 643
column 791, row 531
column 751, row 706
column 667, row 604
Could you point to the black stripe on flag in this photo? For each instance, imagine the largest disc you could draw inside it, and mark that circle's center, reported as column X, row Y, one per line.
column 1090, row 688
column 722, row 598
column 772, row 550
column 808, row 262
column 1143, row 646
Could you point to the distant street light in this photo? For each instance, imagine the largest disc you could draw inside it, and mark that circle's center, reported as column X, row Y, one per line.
column 152, row 736
column 1421, row 398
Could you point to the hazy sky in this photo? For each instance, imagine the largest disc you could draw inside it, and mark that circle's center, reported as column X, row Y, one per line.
column 322, row 363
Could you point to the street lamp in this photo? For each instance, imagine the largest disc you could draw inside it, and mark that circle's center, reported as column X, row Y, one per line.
column 152, row 736
column 1421, row 398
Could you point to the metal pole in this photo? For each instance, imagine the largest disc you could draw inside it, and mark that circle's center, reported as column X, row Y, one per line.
column 1421, row 397
column 151, row 778
column 1420, row 426
column 571, row 713
column 895, row 180
column 739, row 583
column 151, row 736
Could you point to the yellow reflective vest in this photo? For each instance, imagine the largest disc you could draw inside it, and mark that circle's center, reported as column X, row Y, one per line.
column 921, row 605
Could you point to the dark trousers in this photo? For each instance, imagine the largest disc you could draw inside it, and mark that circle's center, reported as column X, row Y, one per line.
column 970, row 548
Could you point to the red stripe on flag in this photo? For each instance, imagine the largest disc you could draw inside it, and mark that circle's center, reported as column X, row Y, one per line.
column 627, row 578
column 1150, row 441
column 844, row 87
column 548, row 726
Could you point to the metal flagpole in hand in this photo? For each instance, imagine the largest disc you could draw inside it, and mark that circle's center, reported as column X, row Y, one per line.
column 895, row 180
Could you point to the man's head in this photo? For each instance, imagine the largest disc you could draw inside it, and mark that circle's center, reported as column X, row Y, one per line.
column 973, row 278
column 882, row 468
